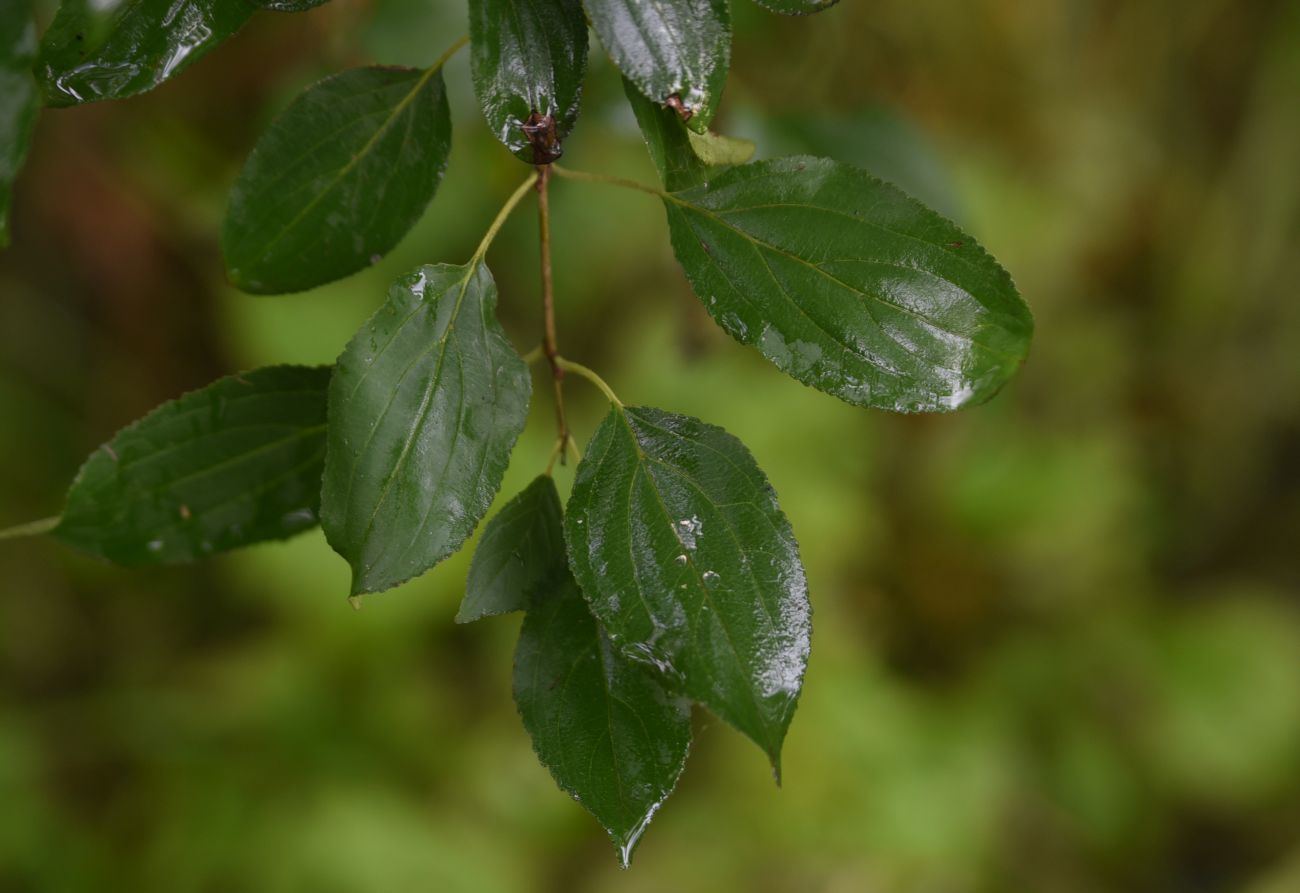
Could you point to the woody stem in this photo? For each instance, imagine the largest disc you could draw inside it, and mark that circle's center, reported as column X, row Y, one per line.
column 550, row 342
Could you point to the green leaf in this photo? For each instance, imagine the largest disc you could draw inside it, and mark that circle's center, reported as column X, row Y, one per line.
column 111, row 49
column 668, row 142
column 797, row 7
column 715, row 149
column 19, row 102
column 607, row 730
column 338, row 178
column 424, row 408
column 528, row 59
column 289, row 5
column 679, row 545
column 522, row 547
column 671, row 49
column 849, row 285
column 234, row 463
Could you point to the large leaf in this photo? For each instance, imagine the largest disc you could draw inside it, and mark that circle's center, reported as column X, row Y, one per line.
column 110, row 49
column 424, row 407
column 678, row 542
column 521, row 548
column 607, row 730
column 19, row 102
column 528, row 59
column 671, row 49
column 849, row 285
column 235, row 463
column 797, row 7
column 338, row 178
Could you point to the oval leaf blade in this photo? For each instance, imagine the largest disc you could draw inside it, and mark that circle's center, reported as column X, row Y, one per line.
column 424, row 408
column 849, row 285
column 234, row 463
column 19, row 102
column 111, row 49
column 337, row 179
column 680, row 546
column 522, row 547
column 679, row 49
column 605, row 728
column 528, row 60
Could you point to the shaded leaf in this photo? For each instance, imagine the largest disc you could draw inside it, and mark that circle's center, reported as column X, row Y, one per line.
column 528, row 59
column 797, row 7
column 424, row 408
column 111, row 49
column 289, row 5
column 680, row 546
column 849, row 285
column 667, row 141
column 521, row 548
column 19, row 101
column 605, row 728
column 676, row 49
column 234, row 463
column 337, row 179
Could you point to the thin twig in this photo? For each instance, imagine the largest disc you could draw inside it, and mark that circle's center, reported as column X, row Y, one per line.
column 550, row 342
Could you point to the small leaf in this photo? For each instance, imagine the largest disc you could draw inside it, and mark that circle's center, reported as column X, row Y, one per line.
column 715, row 149
column 668, row 142
column 19, row 102
column 424, row 408
column 234, row 463
column 528, row 60
column 607, row 730
column 111, row 49
column 522, row 547
column 674, row 52
column 679, row 545
column 797, row 7
column 338, row 178
column 850, row 286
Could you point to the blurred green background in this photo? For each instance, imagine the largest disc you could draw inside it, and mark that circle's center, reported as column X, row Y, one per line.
column 1057, row 637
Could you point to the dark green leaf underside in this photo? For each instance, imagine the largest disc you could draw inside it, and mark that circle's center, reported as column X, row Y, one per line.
column 337, row 179
column 19, row 101
column 521, row 548
column 235, row 463
column 609, row 733
column 425, row 405
column 850, row 286
column 677, row 162
column 529, row 56
column 681, row 49
column 95, row 50
column 681, row 549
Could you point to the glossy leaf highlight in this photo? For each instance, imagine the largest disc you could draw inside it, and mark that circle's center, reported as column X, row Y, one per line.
column 111, row 49
column 610, row 734
column 425, row 405
column 671, row 49
column 849, row 285
column 337, row 179
column 522, row 547
column 234, row 463
column 19, row 100
column 681, row 549
column 528, row 59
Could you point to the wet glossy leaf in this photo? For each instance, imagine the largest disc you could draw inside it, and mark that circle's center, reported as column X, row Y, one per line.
column 680, row 48
column 235, row 463
column 289, row 5
column 19, row 101
column 679, row 545
column 521, row 548
column 797, row 7
column 529, row 56
column 338, row 178
column 426, row 403
column 849, row 285
column 668, row 142
column 111, row 49
column 607, row 730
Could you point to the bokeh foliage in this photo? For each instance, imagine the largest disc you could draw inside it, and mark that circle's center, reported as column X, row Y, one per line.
column 1057, row 637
